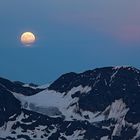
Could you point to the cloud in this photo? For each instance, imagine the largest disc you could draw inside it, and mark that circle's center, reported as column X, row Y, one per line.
column 113, row 20
column 129, row 33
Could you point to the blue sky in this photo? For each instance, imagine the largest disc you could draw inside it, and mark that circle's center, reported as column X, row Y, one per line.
column 74, row 35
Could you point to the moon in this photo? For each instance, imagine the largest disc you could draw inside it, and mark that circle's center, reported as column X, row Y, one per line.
column 28, row 38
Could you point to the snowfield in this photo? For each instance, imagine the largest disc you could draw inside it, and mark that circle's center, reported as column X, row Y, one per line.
column 54, row 103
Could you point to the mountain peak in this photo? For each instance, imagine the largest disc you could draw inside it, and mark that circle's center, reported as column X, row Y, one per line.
column 69, row 80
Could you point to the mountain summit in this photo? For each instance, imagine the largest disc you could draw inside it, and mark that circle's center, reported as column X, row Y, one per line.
column 100, row 104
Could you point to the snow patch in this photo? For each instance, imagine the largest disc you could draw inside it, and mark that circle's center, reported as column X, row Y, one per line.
column 118, row 109
column 104, row 138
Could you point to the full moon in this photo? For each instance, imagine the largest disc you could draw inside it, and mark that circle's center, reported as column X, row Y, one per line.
column 28, row 38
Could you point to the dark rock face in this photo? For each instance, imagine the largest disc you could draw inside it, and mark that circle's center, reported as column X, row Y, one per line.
column 108, row 84
column 9, row 105
column 113, row 90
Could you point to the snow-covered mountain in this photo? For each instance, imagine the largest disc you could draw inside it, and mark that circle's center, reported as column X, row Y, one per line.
column 99, row 104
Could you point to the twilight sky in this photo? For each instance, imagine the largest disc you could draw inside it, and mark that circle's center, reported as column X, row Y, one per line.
column 74, row 35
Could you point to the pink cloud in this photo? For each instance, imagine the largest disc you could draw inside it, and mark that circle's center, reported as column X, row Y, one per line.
column 129, row 33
